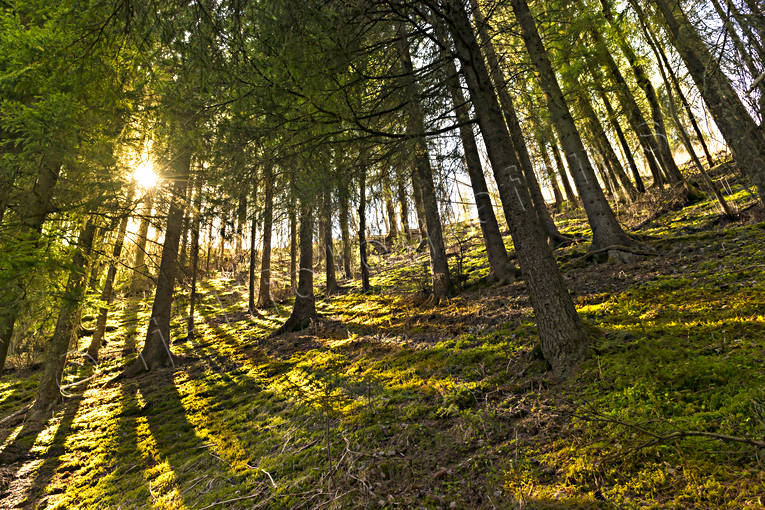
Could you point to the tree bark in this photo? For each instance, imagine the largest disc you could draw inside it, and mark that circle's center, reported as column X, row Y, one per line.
column 601, row 140
column 745, row 139
column 156, row 350
column 673, row 78
column 570, row 195
column 304, row 309
column 251, row 287
column 108, row 291
column 404, row 204
column 293, row 244
column 196, row 221
column 37, row 208
column 442, row 285
column 363, row 228
column 345, row 235
column 606, row 230
column 49, row 389
column 614, row 120
column 502, row 270
column 329, row 251
column 641, row 77
column 140, row 269
column 514, row 128
column 635, row 117
column 562, row 336
column 264, row 292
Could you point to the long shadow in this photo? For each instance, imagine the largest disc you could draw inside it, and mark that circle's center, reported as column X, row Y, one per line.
column 45, row 472
column 168, row 423
column 19, row 450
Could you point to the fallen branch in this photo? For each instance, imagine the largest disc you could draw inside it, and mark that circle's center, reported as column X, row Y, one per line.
column 15, row 414
column 662, row 438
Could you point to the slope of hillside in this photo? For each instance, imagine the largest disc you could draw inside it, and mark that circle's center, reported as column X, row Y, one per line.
column 392, row 402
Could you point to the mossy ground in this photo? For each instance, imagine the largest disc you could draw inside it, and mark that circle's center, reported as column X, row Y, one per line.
column 395, row 403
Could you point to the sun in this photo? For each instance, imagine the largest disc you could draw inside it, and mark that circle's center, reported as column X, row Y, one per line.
column 144, row 175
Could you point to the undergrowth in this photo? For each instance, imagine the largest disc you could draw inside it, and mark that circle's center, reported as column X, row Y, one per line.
column 388, row 402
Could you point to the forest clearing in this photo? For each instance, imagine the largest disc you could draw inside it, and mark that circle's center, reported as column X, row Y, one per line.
column 382, row 254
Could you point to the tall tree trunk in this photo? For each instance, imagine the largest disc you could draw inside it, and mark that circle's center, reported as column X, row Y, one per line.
column 140, row 269
column 745, row 139
column 196, row 220
column 501, row 269
column 673, row 78
column 345, row 234
column 108, row 291
column 264, row 292
column 251, row 289
column 635, row 117
column 156, row 350
column 329, row 251
column 38, row 204
column 601, row 141
column 293, row 243
column 185, row 232
column 363, row 228
column 641, row 77
column 570, row 195
column 208, row 256
column 241, row 220
column 49, row 389
column 684, row 134
column 442, row 285
column 563, row 339
column 614, row 120
column 404, row 204
column 304, row 309
column 514, row 128
column 606, row 230
column 557, row 195
column 390, row 210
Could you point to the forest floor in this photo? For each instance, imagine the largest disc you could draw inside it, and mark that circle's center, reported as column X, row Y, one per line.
column 392, row 402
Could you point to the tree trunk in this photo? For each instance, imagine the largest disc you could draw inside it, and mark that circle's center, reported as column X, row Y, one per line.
column 602, row 142
column 635, row 117
column 745, row 139
column 363, row 228
column 12, row 291
column 542, row 144
column 514, row 128
column 304, row 309
column 140, row 269
column 241, row 220
column 49, row 389
column 345, row 231
column 641, row 77
column 606, row 231
column 108, row 291
column 561, row 333
column 501, row 269
column 442, row 285
column 329, row 247
column 195, row 228
column 404, row 204
column 673, row 78
column 570, row 195
column 156, row 350
column 391, row 211
column 251, row 289
column 293, row 244
column 684, row 134
column 614, row 120
column 264, row 292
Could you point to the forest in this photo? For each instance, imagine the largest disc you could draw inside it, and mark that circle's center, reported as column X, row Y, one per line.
column 382, row 254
